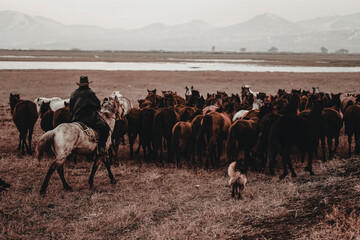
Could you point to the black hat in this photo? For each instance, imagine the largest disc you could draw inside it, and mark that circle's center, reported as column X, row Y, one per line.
column 84, row 81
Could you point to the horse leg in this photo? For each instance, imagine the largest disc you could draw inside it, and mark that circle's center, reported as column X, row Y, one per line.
column 284, row 162
column 233, row 191
column 357, row 147
column 329, row 142
column 336, row 142
column 140, row 143
column 51, row 170
column 289, row 161
column 322, row 139
column 349, row 142
column 31, row 130
column 20, row 138
column 60, row 170
column 93, row 170
column 107, row 165
column 131, row 143
column 309, row 166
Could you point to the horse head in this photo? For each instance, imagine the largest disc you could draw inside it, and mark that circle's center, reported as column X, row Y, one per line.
column 44, row 108
column 152, row 91
column 14, row 99
column 111, row 106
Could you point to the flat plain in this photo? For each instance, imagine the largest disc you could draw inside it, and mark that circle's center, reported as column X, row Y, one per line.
column 162, row 202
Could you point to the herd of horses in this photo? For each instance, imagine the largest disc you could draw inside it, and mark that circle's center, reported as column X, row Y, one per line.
column 251, row 128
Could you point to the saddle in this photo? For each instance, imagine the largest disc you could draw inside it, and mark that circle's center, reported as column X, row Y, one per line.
column 91, row 133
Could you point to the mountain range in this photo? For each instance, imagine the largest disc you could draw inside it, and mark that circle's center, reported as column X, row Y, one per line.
column 260, row 33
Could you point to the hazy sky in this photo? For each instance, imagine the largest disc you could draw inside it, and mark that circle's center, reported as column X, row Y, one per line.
column 139, row 13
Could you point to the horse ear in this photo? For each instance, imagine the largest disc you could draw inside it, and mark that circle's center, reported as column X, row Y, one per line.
column 186, row 88
column 192, row 87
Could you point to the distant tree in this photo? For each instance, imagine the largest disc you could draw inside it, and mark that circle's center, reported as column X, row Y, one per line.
column 243, row 50
column 324, row 50
column 213, row 48
column 273, row 50
column 342, row 51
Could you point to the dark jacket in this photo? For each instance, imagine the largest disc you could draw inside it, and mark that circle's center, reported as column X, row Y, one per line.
column 84, row 106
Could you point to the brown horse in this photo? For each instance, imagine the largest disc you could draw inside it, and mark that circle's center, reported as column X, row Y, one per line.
column 164, row 121
column 243, row 135
column 215, row 127
column 181, row 140
column 62, row 115
column 333, row 125
column 120, row 129
column 146, row 134
column 134, row 127
column 25, row 116
column 46, row 115
column 352, row 126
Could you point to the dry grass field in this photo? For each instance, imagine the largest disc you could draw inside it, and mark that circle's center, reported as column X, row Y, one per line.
column 153, row 202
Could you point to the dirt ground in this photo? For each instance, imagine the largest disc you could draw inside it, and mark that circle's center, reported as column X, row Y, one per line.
column 153, row 202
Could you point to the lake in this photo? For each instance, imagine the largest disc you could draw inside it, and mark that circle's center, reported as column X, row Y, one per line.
column 220, row 65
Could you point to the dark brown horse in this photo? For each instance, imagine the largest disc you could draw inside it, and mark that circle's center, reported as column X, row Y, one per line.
column 243, row 135
column 291, row 130
column 25, row 116
column 62, row 115
column 117, row 136
column 146, row 133
column 46, row 115
column 352, row 126
column 181, row 141
column 215, row 127
column 332, row 126
column 164, row 121
column 134, row 127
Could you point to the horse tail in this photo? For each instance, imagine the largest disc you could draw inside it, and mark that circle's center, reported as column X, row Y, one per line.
column 207, row 126
column 273, row 142
column 44, row 145
column 231, row 143
column 175, row 138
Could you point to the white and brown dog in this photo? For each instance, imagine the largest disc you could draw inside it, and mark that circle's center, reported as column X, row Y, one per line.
column 237, row 179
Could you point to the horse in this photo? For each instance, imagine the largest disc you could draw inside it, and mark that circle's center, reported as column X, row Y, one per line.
column 134, row 128
column 240, row 114
column 62, row 115
column 188, row 113
column 146, row 134
column 46, row 115
column 181, row 140
column 291, row 130
column 124, row 102
column 215, row 128
column 24, row 115
column 333, row 124
column 70, row 138
column 120, row 129
column 352, row 127
column 55, row 102
column 164, row 121
column 243, row 135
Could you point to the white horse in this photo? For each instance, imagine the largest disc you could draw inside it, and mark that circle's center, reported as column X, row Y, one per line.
column 124, row 102
column 258, row 103
column 68, row 138
column 55, row 103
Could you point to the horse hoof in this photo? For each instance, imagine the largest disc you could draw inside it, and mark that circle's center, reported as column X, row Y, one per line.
column 68, row 188
column 42, row 192
column 294, row 175
column 113, row 181
column 282, row 176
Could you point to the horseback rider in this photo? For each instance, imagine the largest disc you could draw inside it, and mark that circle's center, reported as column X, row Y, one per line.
column 84, row 107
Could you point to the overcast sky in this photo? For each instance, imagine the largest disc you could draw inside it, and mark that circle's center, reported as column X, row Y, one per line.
column 131, row 14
